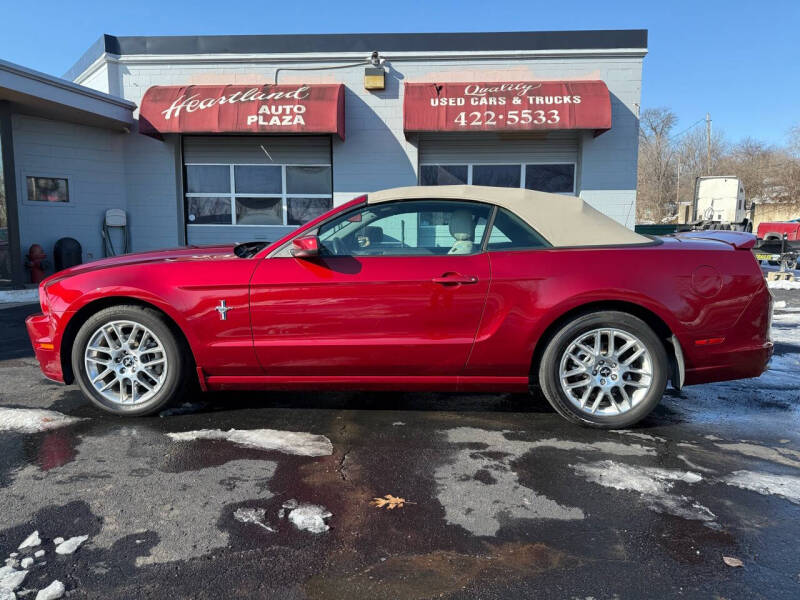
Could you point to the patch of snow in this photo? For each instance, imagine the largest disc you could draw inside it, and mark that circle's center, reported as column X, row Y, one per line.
column 52, row 592
column 779, row 304
column 694, row 466
column 783, row 456
column 479, row 489
column 30, row 541
column 39, row 553
column 19, row 295
column 252, row 515
column 783, row 285
column 398, row 424
column 69, row 546
column 308, row 517
column 652, row 483
column 641, row 436
column 288, row 442
column 58, row 541
column 11, row 579
column 785, row 486
column 231, row 484
column 33, row 420
column 26, row 562
column 786, row 328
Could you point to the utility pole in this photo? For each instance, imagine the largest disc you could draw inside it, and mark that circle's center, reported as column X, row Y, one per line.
column 708, row 143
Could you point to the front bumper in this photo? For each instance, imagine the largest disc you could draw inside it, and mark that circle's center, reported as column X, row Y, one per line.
column 41, row 330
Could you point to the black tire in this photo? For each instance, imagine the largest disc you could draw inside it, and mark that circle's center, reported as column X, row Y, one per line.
column 560, row 342
column 174, row 351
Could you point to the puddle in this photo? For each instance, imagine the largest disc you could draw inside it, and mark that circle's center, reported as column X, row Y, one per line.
column 440, row 572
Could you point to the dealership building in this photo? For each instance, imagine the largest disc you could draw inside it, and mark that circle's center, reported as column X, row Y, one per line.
column 219, row 139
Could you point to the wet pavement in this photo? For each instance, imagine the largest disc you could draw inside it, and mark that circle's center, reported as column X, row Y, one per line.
column 504, row 498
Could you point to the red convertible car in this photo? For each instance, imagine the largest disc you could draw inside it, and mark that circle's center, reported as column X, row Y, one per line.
column 452, row 288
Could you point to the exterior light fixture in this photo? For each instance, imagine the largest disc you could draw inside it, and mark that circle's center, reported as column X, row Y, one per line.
column 374, row 75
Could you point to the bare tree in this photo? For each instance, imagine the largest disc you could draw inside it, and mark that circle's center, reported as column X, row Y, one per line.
column 794, row 140
column 656, row 172
column 669, row 164
column 692, row 157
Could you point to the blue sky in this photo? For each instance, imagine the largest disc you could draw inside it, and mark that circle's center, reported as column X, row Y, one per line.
column 738, row 60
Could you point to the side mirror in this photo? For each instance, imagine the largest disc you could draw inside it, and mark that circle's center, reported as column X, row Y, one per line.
column 305, row 247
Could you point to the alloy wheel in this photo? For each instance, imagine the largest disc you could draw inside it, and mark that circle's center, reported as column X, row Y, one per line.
column 125, row 362
column 606, row 371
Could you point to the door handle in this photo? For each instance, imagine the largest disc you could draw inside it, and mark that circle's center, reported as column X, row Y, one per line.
column 454, row 279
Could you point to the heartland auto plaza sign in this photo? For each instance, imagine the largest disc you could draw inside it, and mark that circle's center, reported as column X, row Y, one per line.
column 232, row 109
column 507, row 106
column 427, row 107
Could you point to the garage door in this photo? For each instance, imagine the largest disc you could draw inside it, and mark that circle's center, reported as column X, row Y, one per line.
column 539, row 162
column 254, row 187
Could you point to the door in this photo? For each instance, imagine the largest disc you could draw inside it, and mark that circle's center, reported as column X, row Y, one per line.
column 398, row 291
column 546, row 164
column 254, row 187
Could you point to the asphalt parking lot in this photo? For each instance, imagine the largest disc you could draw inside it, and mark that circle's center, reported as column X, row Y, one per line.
column 504, row 498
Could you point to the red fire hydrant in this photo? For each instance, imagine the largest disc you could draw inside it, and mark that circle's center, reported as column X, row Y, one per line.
column 35, row 261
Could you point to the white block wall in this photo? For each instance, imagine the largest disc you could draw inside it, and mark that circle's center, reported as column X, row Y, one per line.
column 92, row 160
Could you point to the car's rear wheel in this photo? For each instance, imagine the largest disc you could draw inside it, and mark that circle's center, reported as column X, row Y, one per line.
column 128, row 361
column 604, row 369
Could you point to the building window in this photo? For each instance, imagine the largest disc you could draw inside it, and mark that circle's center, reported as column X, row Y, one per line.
column 47, row 189
column 557, row 178
column 496, row 175
column 265, row 195
column 443, row 174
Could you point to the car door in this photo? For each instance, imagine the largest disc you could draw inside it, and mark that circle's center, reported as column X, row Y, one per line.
column 524, row 273
column 397, row 292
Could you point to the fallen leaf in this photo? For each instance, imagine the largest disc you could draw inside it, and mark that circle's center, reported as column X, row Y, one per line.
column 389, row 502
column 732, row 562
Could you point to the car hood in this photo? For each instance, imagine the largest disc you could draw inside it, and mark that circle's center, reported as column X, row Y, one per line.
column 187, row 253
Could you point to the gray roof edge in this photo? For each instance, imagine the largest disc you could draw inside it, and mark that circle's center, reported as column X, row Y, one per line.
column 607, row 39
column 92, row 53
column 64, row 84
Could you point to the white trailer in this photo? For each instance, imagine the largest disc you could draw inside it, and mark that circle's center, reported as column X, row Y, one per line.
column 719, row 202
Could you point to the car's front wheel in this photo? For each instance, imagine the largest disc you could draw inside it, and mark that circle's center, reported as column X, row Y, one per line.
column 128, row 361
column 604, row 369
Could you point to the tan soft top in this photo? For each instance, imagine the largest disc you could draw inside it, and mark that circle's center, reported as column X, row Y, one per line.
column 562, row 220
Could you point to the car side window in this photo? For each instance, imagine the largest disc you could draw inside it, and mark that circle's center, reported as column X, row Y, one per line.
column 509, row 232
column 407, row 227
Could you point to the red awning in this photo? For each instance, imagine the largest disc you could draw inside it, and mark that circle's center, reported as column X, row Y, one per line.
column 507, row 106
column 243, row 109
